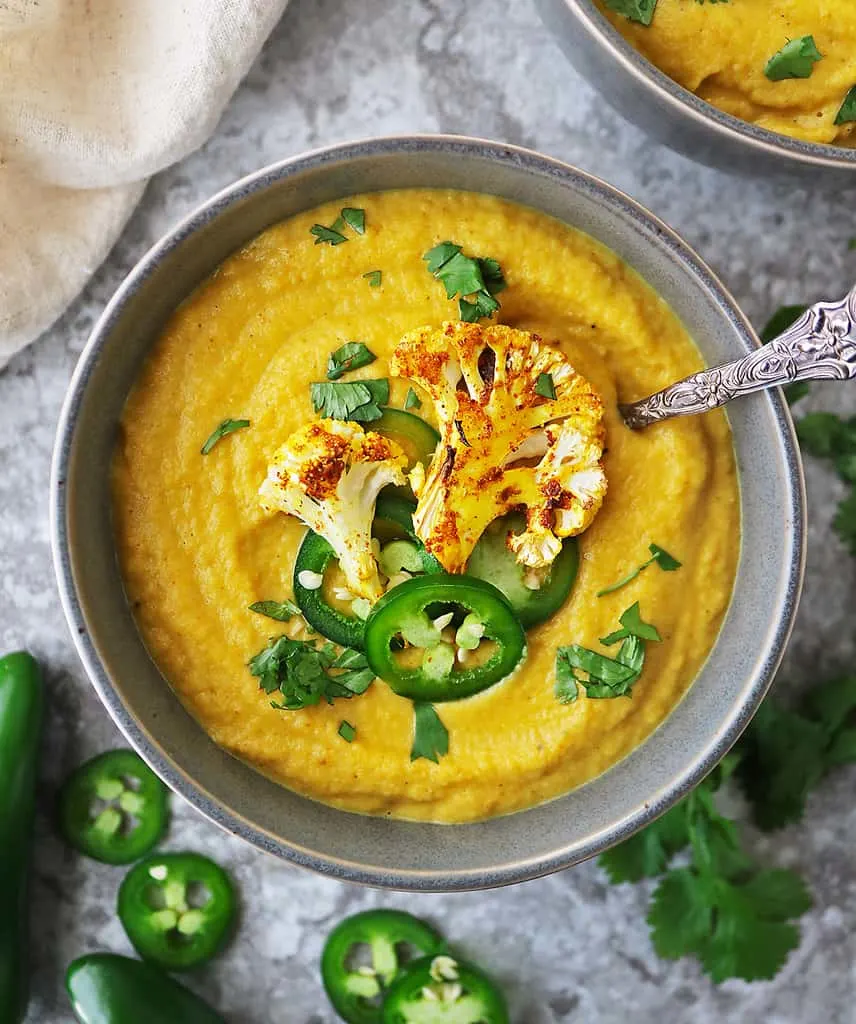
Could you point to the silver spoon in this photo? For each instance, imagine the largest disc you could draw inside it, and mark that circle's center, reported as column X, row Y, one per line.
column 821, row 345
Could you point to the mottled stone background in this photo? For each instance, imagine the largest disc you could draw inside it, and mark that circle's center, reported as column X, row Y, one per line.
column 570, row 949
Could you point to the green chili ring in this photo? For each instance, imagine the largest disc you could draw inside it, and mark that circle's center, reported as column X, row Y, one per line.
column 131, row 821
column 355, row 994
column 478, row 1000
column 403, row 610
column 315, row 555
column 156, row 911
column 492, row 561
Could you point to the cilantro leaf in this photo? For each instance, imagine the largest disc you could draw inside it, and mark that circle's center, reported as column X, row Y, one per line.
column 303, row 673
column 351, row 356
column 632, row 625
column 796, row 59
column 681, row 915
column 226, row 427
column 783, row 760
column 544, row 386
column 667, row 562
column 440, row 254
column 430, row 737
column 648, row 852
column 641, row 11
column 347, row 731
column 412, row 400
column 357, row 400
column 282, row 611
column 780, row 321
column 826, row 435
column 355, row 218
column 356, row 675
column 331, row 235
column 374, row 278
column 476, row 281
column 847, row 113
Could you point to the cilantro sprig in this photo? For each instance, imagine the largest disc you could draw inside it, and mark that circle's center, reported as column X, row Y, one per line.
column 786, row 752
column 600, row 676
column 724, row 909
column 305, row 674
column 847, row 113
column 475, row 280
column 667, row 562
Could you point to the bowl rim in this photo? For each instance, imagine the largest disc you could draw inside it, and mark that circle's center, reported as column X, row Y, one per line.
column 648, row 76
column 235, row 821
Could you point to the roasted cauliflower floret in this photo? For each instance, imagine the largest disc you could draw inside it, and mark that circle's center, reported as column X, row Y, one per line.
column 328, row 474
column 503, row 445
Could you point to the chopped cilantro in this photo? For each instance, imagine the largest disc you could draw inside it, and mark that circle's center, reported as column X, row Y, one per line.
column 544, row 386
column 335, row 234
column 347, row 731
column 331, row 235
column 476, row 281
column 374, row 278
column 430, row 737
column 412, row 400
column 796, row 59
column 357, row 400
column 641, row 11
column 226, row 427
column 632, row 625
column 351, row 356
column 847, row 113
column 667, row 562
column 305, row 674
column 355, row 218
column 282, row 611
column 605, row 677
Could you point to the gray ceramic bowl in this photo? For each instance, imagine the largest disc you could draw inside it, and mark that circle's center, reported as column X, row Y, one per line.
column 672, row 114
column 376, row 850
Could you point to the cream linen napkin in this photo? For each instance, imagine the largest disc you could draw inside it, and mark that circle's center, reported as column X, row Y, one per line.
column 95, row 96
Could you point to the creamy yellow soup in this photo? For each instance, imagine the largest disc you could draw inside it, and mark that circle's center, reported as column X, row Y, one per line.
column 197, row 550
column 719, row 51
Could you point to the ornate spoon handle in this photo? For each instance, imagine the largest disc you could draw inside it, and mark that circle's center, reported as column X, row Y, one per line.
column 821, row 345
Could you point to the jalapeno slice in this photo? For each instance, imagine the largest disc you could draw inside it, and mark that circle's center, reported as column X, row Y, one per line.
column 315, row 554
column 356, row 990
column 403, row 614
column 492, row 560
column 418, row 438
column 114, row 808
column 177, row 909
column 443, row 990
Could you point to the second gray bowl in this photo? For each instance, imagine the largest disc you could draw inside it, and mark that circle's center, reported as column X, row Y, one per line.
column 382, row 851
column 673, row 115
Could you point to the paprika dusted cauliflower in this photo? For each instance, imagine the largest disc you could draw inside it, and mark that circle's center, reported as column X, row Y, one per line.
column 520, row 429
column 328, row 474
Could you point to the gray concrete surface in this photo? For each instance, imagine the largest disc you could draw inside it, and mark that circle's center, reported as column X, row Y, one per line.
column 570, row 949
